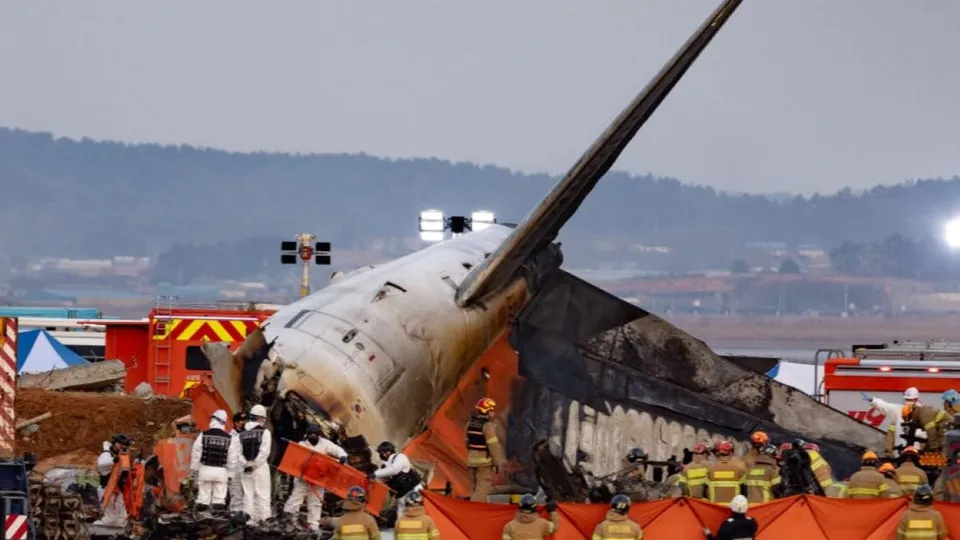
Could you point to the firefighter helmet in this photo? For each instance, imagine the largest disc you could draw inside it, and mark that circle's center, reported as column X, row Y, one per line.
column 911, row 394
column 907, row 410
column 486, row 405
column 258, row 411
column 759, row 438
column 887, row 467
column 386, row 446
column 812, row 447
column 357, row 494
column 923, row 495
column 769, row 450
column 739, row 504
column 723, row 448
column 951, row 396
column 910, row 454
column 528, row 504
column 620, row 503
column 636, row 455
column 414, row 498
column 701, row 448
column 869, row 457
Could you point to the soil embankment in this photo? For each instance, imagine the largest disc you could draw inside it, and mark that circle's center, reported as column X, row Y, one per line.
column 81, row 421
column 814, row 332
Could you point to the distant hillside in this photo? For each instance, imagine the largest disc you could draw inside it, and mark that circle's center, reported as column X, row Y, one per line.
column 87, row 199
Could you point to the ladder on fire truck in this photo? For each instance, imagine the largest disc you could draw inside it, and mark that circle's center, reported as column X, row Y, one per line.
column 163, row 320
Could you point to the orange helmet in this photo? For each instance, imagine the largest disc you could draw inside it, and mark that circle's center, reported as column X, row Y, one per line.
column 759, row 438
column 868, row 456
column 700, row 448
column 723, row 447
column 907, row 410
column 486, row 405
column 887, row 467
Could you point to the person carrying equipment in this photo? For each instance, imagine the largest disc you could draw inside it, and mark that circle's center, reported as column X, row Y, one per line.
column 738, row 526
column 909, row 475
column 414, row 523
column 115, row 513
column 616, row 525
column 693, row 479
column 303, row 490
column 867, row 483
column 355, row 524
column 213, row 453
column 763, row 478
column 889, row 472
column 633, row 480
column 527, row 525
column 920, row 520
column 894, row 438
column 484, row 452
column 255, row 444
column 758, row 440
column 934, row 422
column 725, row 476
column 395, row 470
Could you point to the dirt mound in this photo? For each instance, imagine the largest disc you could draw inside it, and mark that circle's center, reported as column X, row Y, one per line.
column 81, row 421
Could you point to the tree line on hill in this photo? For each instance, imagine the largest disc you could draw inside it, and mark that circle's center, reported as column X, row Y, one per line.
column 85, row 198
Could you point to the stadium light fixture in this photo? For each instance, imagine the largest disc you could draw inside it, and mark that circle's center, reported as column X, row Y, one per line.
column 481, row 219
column 433, row 224
column 951, row 233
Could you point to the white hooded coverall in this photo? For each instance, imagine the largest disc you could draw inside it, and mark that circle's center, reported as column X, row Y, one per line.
column 235, row 471
column 212, row 479
column 256, row 484
column 894, row 411
column 302, row 489
column 115, row 514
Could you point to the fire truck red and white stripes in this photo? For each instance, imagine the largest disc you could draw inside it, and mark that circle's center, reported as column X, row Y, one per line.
column 8, row 383
column 16, row 527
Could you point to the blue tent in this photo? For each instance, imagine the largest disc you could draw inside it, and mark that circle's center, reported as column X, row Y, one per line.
column 38, row 351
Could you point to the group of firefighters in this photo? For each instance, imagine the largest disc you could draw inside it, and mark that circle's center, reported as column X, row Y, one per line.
column 235, row 463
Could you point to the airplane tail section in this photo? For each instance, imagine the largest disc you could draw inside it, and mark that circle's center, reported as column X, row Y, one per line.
column 235, row 374
column 543, row 224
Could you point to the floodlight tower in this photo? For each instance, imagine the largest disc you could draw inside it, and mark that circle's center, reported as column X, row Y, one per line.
column 303, row 246
column 433, row 224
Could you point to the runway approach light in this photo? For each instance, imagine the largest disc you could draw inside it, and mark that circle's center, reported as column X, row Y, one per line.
column 433, row 224
column 951, row 233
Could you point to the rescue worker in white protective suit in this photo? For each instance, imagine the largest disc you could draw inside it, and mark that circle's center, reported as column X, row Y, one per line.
column 892, row 410
column 212, row 456
column 255, row 449
column 114, row 515
column 303, row 490
column 234, row 469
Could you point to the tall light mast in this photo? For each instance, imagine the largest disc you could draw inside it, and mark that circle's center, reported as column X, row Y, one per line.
column 304, row 249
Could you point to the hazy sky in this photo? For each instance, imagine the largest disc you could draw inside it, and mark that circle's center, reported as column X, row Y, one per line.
column 792, row 95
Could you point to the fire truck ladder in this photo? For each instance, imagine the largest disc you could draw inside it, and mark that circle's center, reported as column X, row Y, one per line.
column 163, row 308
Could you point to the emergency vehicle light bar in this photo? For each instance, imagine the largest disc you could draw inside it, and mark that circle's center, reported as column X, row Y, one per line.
column 906, row 364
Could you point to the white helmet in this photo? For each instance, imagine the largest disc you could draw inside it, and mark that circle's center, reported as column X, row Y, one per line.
column 258, row 411
column 220, row 415
column 911, row 393
column 739, row 504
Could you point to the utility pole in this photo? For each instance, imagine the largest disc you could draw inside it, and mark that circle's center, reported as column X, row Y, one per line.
column 304, row 249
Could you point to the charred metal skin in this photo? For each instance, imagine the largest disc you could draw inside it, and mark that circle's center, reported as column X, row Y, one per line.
column 376, row 352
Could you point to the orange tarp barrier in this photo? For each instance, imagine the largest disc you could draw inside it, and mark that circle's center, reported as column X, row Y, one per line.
column 326, row 472
column 810, row 518
column 443, row 442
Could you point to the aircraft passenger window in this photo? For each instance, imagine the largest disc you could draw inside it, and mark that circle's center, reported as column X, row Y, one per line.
column 196, row 360
column 349, row 335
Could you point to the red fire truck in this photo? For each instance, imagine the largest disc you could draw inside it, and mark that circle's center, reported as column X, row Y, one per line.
column 885, row 371
column 164, row 349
